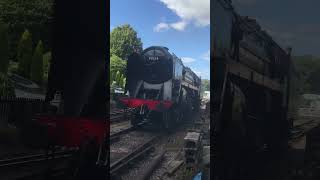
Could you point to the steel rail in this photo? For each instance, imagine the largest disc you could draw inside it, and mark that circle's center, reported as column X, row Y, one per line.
column 138, row 152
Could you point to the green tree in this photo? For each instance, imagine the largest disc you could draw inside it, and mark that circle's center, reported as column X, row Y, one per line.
column 4, row 48
column 35, row 15
column 123, row 41
column 111, row 76
column 118, row 76
column 307, row 68
column 124, row 82
column 25, row 54
column 36, row 73
column 117, row 64
column 121, row 80
column 113, row 87
column 46, row 65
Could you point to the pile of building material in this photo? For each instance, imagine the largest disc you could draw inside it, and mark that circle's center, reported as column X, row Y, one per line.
column 192, row 149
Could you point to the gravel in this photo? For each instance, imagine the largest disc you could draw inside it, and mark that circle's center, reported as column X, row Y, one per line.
column 127, row 143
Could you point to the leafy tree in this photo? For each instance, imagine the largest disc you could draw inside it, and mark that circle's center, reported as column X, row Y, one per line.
column 25, row 54
column 35, row 15
column 124, row 82
column 121, row 80
column 205, row 85
column 36, row 73
column 117, row 64
column 307, row 68
column 118, row 76
column 46, row 65
column 111, row 76
column 4, row 48
column 113, row 87
column 123, row 41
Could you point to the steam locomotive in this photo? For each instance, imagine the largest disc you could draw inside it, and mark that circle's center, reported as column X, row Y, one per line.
column 160, row 87
column 251, row 77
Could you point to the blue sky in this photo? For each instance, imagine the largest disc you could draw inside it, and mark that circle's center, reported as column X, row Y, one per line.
column 292, row 23
column 181, row 25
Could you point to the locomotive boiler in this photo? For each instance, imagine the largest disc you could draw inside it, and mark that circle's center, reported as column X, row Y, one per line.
column 160, row 87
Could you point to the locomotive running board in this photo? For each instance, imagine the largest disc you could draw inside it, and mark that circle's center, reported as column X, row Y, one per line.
column 245, row 72
column 184, row 83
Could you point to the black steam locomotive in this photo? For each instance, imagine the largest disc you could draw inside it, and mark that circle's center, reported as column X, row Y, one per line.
column 160, row 87
column 251, row 77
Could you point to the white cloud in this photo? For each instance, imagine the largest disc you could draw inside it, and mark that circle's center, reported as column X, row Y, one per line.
column 204, row 73
column 187, row 59
column 178, row 25
column 198, row 73
column 206, row 55
column 196, row 12
column 161, row 27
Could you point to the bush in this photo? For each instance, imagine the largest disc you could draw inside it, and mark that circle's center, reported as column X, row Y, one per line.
column 4, row 48
column 36, row 73
column 25, row 54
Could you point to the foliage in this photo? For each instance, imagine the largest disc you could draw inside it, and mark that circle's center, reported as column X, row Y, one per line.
column 6, row 88
column 118, row 76
column 13, row 67
column 120, row 82
column 123, row 41
column 4, row 48
column 124, row 82
column 46, row 65
column 307, row 72
column 36, row 73
column 117, row 64
column 304, row 79
column 113, row 87
column 205, row 86
column 112, row 76
column 25, row 54
column 35, row 15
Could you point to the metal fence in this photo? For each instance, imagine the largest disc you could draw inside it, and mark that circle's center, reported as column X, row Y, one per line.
column 17, row 110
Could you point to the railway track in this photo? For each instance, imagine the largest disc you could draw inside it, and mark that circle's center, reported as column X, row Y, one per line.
column 23, row 160
column 119, row 164
column 120, row 115
column 116, row 135
column 35, row 166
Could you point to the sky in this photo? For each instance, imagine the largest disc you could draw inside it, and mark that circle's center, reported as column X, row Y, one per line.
column 293, row 23
column 181, row 25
